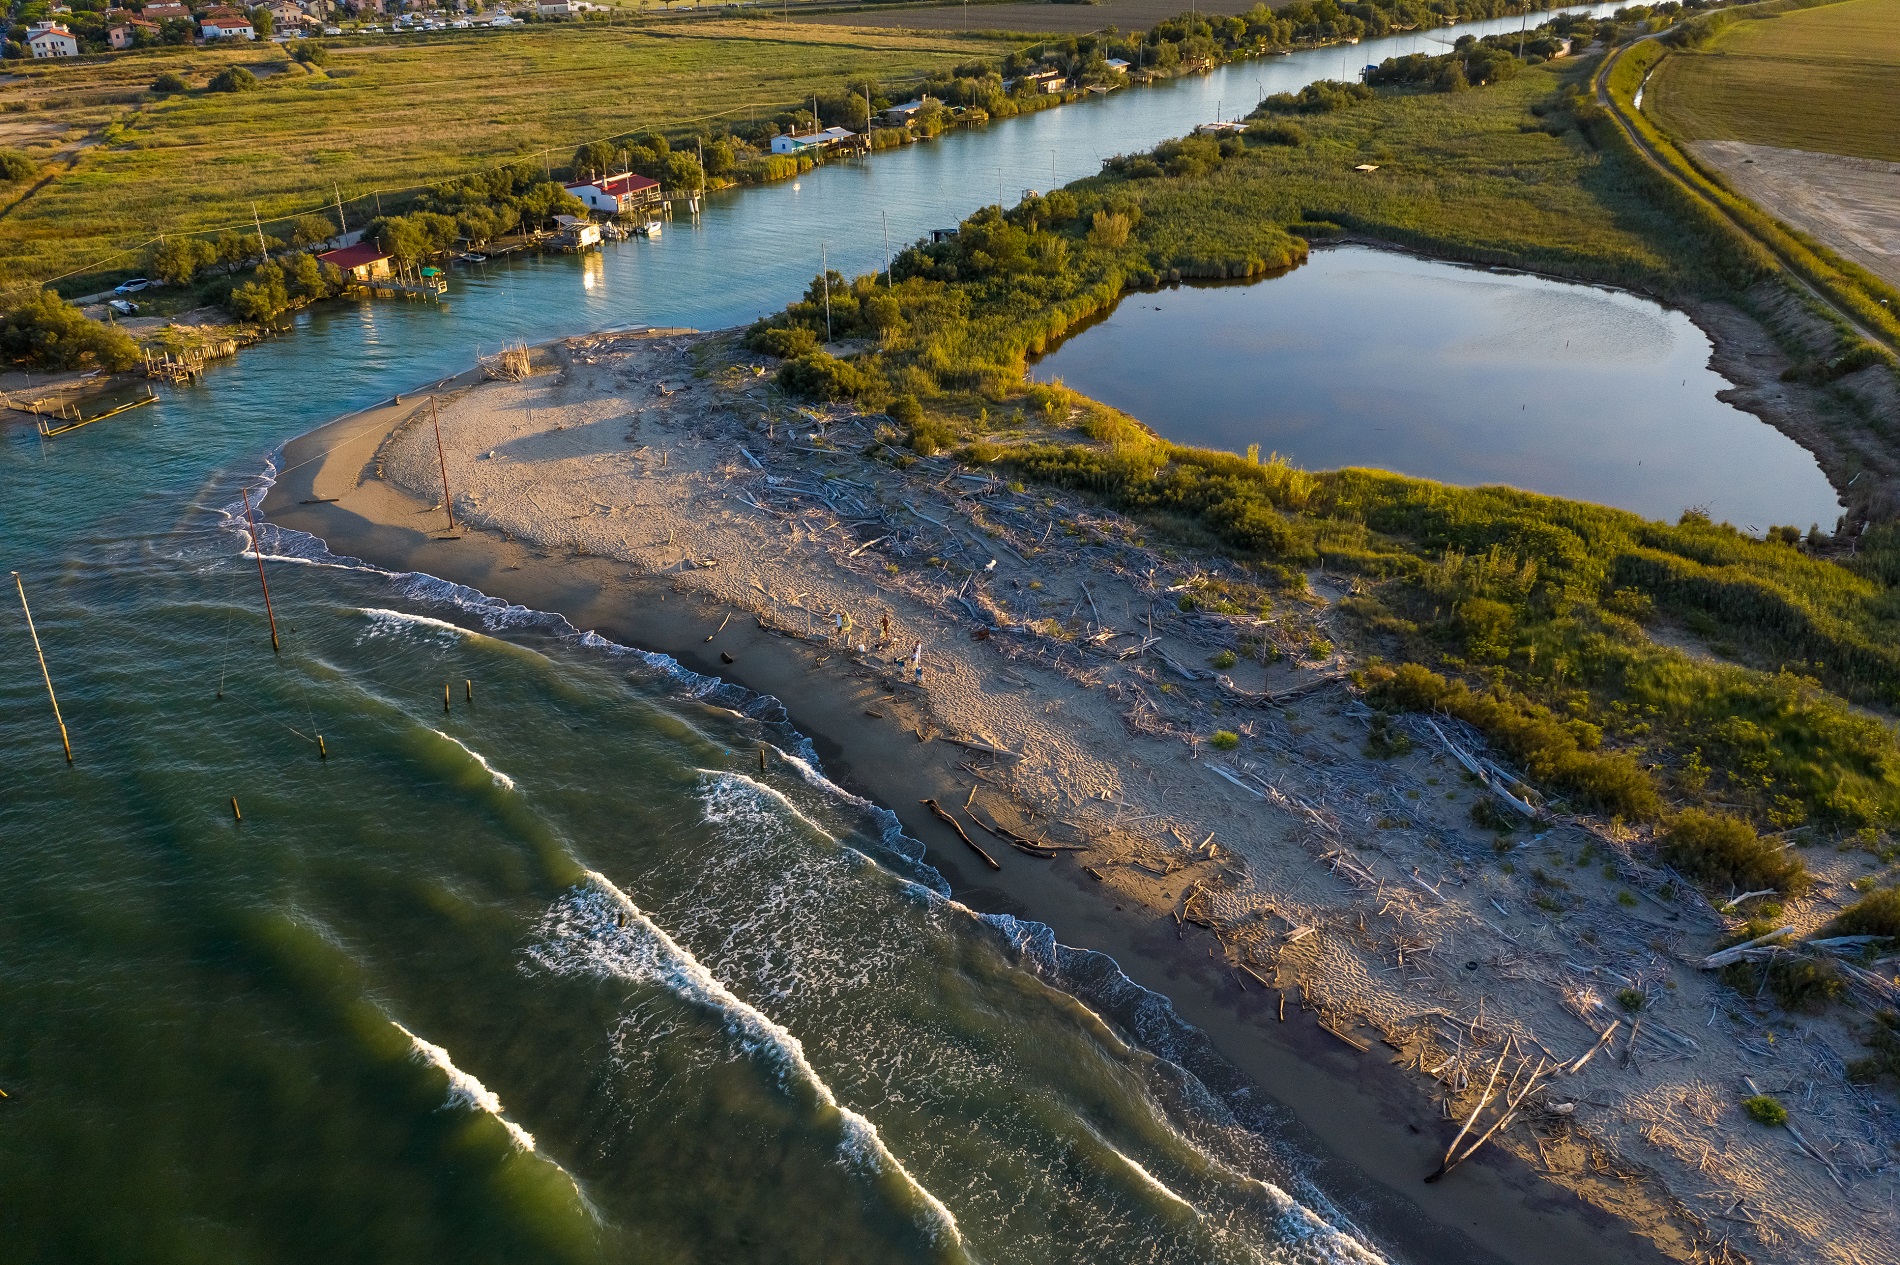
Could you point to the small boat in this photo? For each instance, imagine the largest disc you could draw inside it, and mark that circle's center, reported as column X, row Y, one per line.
column 472, row 258
column 649, row 229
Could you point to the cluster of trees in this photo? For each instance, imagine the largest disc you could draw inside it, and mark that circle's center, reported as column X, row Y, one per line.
column 1323, row 96
column 473, row 209
column 279, row 285
column 651, row 155
column 183, row 260
column 1187, row 156
column 1469, row 65
column 43, row 331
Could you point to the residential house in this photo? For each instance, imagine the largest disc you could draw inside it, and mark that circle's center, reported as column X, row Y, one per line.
column 1047, row 79
column 800, row 143
column 51, row 39
column 618, row 195
column 226, row 28
column 125, row 32
column 899, row 115
column 1116, row 66
column 360, row 262
column 164, row 12
column 287, row 15
column 553, row 8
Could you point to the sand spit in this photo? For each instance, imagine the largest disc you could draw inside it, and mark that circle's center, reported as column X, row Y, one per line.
column 1073, row 678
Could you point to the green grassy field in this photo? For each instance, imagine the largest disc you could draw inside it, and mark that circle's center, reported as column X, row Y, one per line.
column 1825, row 79
column 123, row 165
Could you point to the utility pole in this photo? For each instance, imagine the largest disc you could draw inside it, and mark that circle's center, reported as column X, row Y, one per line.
column 448, row 503
column 824, row 273
column 257, row 551
column 341, row 225
column 264, row 255
column 886, row 217
column 47, row 676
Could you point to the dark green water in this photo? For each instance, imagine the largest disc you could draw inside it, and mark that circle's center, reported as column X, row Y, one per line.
column 559, row 974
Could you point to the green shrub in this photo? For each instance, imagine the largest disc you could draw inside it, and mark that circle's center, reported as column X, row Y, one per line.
column 1875, row 914
column 1224, row 740
column 820, row 376
column 233, row 79
column 1557, row 753
column 1632, row 999
column 1224, row 660
column 785, row 342
column 907, row 412
column 1725, row 851
column 1765, row 1110
column 170, row 82
column 309, row 52
column 1884, row 1040
column 47, row 332
column 15, row 166
column 1276, row 132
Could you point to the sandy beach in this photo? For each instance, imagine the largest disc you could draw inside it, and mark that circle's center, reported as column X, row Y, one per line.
column 1137, row 744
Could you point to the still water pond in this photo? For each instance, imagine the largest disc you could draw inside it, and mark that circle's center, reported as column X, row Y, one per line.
column 1369, row 358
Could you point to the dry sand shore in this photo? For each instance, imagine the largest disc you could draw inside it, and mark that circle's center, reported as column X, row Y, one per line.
column 1334, row 922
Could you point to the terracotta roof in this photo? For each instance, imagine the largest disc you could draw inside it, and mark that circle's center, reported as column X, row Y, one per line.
column 354, row 256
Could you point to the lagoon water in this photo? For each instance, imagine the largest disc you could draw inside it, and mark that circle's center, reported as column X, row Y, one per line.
column 1464, row 375
column 559, row 974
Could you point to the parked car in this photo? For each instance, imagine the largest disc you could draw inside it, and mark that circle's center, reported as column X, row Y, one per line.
column 124, row 307
column 133, row 286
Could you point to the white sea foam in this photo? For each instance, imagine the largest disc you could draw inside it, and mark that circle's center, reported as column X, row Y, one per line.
column 464, row 1089
column 595, row 929
column 501, row 779
column 385, row 623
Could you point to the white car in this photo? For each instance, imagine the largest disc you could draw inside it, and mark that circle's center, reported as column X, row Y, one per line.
column 133, row 286
column 124, row 307
column 333, row 30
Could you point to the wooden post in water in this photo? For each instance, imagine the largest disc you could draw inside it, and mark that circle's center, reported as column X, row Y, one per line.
column 47, row 676
column 257, row 551
column 447, row 503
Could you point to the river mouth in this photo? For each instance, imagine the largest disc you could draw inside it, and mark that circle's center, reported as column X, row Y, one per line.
column 1367, row 357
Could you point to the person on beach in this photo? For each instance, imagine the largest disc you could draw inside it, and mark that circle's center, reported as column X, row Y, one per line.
column 917, row 662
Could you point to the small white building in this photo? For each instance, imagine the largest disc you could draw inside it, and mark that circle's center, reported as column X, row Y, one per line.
column 799, row 143
column 576, row 233
column 1046, row 80
column 227, row 29
column 51, row 39
column 553, row 8
column 1116, row 66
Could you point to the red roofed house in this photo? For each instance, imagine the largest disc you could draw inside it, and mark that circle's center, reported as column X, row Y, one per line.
column 165, row 11
column 222, row 28
column 52, row 39
column 618, row 194
column 359, row 262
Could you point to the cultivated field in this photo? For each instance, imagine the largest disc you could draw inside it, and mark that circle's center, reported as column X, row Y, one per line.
column 123, row 165
column 1824, row 79
column 1060, row 19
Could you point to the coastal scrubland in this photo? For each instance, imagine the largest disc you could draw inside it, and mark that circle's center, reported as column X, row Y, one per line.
column 1526, row 616
column 117, row 164
column 1818, row 79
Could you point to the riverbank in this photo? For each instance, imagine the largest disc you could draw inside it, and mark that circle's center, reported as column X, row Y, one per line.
column 655, row 490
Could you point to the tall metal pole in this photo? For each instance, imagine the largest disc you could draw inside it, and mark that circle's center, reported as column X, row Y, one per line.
column 44, row 674
column 887, row 249
column 257, row 551
column 824, row 274
column 447, row 504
